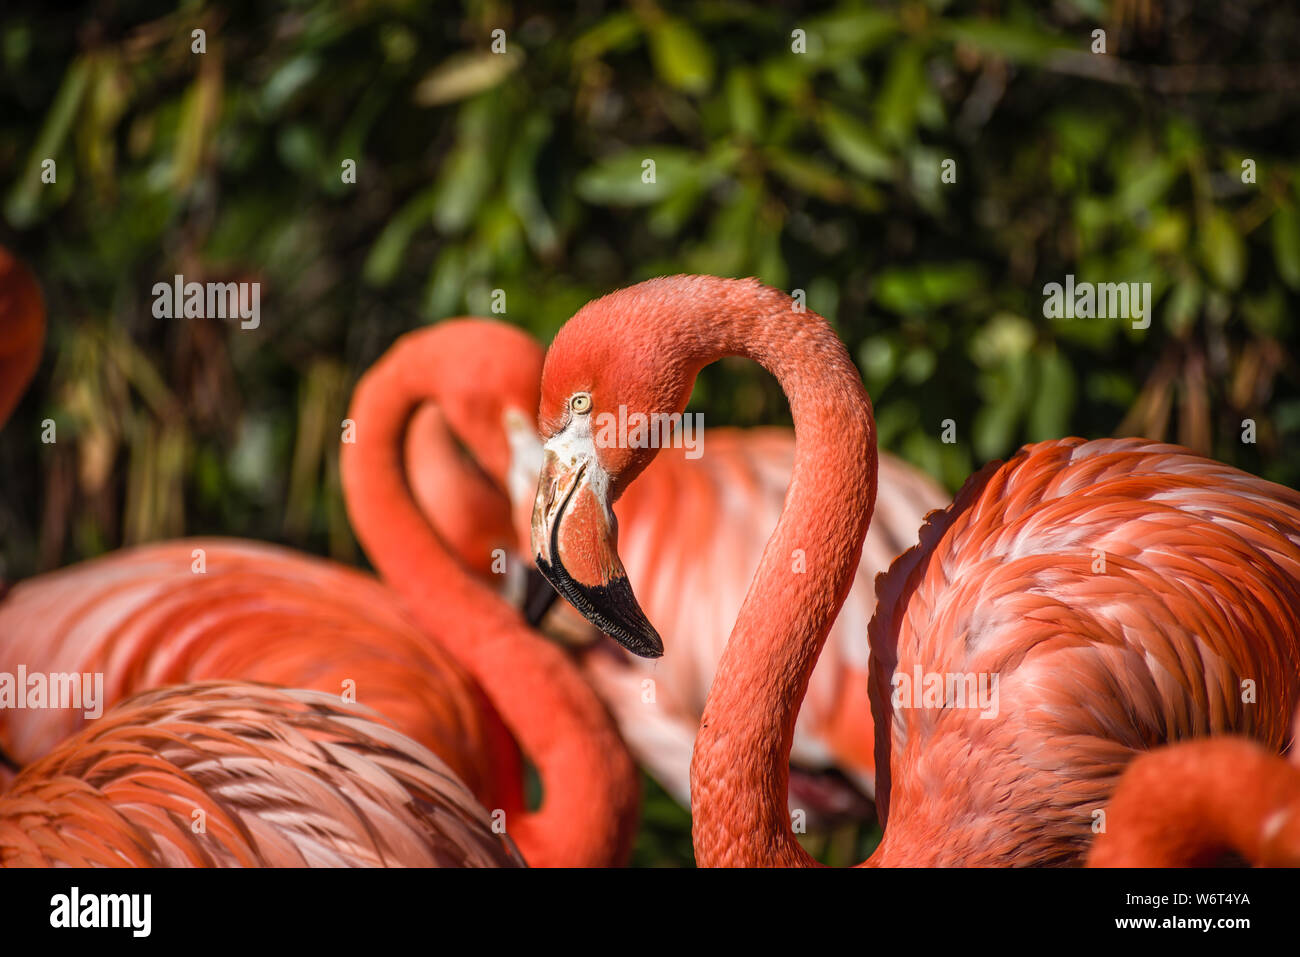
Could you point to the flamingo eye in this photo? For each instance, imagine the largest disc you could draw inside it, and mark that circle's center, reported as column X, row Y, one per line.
column 580, row 403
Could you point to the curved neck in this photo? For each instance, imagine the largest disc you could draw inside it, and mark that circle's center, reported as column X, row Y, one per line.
column 740, row 767
column 588, row 809
column 1188, row 805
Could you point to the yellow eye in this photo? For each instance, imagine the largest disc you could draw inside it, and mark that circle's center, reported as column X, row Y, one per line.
column 581, row 403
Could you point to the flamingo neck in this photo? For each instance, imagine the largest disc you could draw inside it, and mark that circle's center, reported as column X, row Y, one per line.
column 740, row 767
column 588, row 808
column 1189, row 804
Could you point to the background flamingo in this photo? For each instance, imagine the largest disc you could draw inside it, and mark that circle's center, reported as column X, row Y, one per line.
column 144, row 618
column 22, row 330
column 690, row 534
column 589, row 802
column 226, row 774
column 1198, row 594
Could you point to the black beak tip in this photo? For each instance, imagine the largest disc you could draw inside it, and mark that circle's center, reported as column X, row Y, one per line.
column 612, row 608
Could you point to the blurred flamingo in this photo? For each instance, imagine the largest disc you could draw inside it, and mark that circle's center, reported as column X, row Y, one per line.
column 1124, row 594
column 589, row 802
column 201, row 609
column 22, row 330
column 690, row 532
column 238, row 775
column 1199, row 803
column 204, row 609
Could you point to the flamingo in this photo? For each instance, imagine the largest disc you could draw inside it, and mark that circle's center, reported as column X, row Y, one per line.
column 145, row 617
column 590, row 794
column 1124, row 593
column 151, row 616
column 1192, row 803
column 225, row 774
column 1196, row 803
column 22, row 330
column 690, row 532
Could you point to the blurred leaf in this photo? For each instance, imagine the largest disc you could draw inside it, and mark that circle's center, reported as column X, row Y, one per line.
column 1286, row 245
column 1020, row 43
column 620, row 180
column 617, row 31
column 199, row 111
column 744, row 103
column 849, row 34
column 291, row 77
column 1053, row 403
column 681, row 58
column 385, row 257
column 853, row 142
column 927, row 287
column 896, row 107
column 1222, row 252
column 521, row 184
column 465, row 178
column 1183, row 306
column 24, row 197
column 464, row 75
column 1267, row 314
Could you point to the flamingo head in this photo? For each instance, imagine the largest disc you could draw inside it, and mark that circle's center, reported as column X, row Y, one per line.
column 612, row 367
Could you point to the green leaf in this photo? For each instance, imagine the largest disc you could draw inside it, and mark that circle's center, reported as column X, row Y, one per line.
column 385, row 257
column 852, row 141
column 1019, row 43
column 896, row 107
column 923, row 288
column 1222, row 251
column 24, row 198
column 843, row 36
column 287, row 80
column 1183, row 305
column 681, row 58
column 1286, row 245
column 616, row 32
column 744, row 103
column 465, row 176
column 1053, row 403
column 623, row 180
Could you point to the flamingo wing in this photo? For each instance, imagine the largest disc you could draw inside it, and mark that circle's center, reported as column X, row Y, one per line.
column 1123, row 594
column 225, row 774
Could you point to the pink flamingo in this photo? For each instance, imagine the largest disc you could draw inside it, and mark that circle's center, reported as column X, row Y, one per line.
column 238, row 775
column 22, row 330
column 690, row 533
column 1197, row 803
column 1125, row 594
column 149, row 616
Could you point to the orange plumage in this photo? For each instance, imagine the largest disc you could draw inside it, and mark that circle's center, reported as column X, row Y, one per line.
column 238, row 775
column 1199, row 803
column 1125, row 595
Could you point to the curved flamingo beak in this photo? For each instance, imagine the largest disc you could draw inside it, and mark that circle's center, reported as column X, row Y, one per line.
column 575, row 537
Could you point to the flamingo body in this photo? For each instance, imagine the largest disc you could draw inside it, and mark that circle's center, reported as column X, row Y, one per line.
column 1123, row 594
column 1127, row 594
column 690, row 535
column 144, row 619
column 237, row 775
